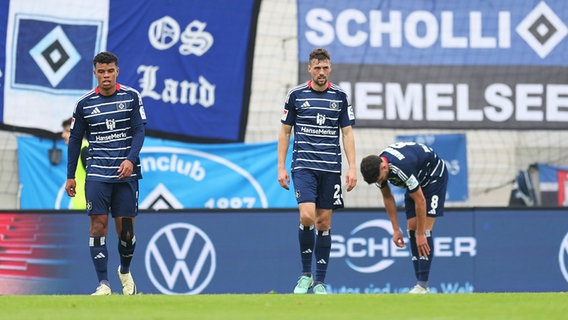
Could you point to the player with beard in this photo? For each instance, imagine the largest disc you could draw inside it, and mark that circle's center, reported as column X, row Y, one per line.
column 320, row 113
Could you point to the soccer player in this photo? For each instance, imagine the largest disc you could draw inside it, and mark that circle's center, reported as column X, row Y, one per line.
column 418, row 169
column 318, row 110
column 112, row 118
column 78, row 201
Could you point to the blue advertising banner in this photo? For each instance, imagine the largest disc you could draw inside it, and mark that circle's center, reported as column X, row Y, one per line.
column 176, row 175
column 174, row 53
column 187, row 253
column 452, row 148
column 507, row 32
column 444, row 64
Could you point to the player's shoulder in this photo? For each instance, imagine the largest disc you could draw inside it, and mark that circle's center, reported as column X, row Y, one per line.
column 298, row 88
column 337, row 89
column 129, row 90
column 82, row 100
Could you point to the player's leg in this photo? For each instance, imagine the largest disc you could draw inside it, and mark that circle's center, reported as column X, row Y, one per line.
column 322, row 249
column 421, row 263
column 329, row 198
column 435, row 198
column 97, row 195
column 435, row 195
column 124, row 210
column 304, row 186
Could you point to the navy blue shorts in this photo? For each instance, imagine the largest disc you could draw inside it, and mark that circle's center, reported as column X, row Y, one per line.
column 320, row 187
column 120, row 199
column 435, row 195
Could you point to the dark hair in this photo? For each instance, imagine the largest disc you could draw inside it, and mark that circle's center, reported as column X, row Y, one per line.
column 371, row 168
column 319, row 54
column 66, row 122
column 105, row 57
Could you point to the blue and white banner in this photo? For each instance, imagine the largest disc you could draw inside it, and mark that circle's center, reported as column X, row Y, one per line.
column 452, row 148
column 176, row 175
column 190, row 60
column 436, row 32
column 445, row 64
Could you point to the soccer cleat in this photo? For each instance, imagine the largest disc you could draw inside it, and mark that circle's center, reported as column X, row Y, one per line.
column 320, row 288
column 304, row 284
column 102, row 290
column 128, row 286
column 418, row 290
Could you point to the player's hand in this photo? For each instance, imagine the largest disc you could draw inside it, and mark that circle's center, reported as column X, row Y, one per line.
column 351, row 178
column 422, row 244
column 284, row 179
column 398, row 239
column 125, row 169
column 70, row 187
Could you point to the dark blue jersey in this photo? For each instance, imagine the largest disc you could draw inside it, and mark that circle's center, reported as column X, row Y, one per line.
column 412, row 165
column 114, row 128
column 317, row 117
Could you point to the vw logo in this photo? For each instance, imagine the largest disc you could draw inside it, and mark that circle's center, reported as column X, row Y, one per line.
column 180, row 259
column 562, row 255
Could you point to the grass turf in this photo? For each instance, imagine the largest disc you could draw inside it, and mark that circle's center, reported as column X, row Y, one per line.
column 476, row 306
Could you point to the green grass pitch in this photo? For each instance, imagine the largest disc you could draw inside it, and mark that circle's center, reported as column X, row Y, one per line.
column 476, row 306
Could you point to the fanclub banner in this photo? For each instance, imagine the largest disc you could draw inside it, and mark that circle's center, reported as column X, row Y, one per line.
column 190, row 61
column 452, row 148
column 445, row 64
column 175, row 175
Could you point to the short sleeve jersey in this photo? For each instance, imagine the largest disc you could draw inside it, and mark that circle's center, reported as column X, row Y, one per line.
column 317, row 118
column 412, row 165
column 108, row 123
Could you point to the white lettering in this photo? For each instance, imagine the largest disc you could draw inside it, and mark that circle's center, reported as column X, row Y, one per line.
column 448, row 39
column 192, row 93
column 365, row 93
column 393, row 28
column 462, row 105
column 557, row 99
column 193, row 170
column 476, row 30
column 318, row 20
column 500, row 107
column 527, row 96
column 420, row 29
column 411, row 27
column 438, row 97
column 451, row 102
column 406, row 105
column 343, row 26
column 465, row 245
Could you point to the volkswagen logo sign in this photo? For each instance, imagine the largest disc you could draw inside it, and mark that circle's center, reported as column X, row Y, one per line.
column 180, row 259
column 563, row 257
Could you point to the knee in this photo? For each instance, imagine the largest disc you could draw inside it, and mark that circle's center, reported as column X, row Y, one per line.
column 127, row 230
column 307, row 219
column 98, row 227
column 323, row 222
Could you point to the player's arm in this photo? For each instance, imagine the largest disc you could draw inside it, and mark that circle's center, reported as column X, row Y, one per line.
column 138, row 122
column 74, row 150
column 420, row 207
column 349, row 147
column 283, row 143
column 390, row 207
